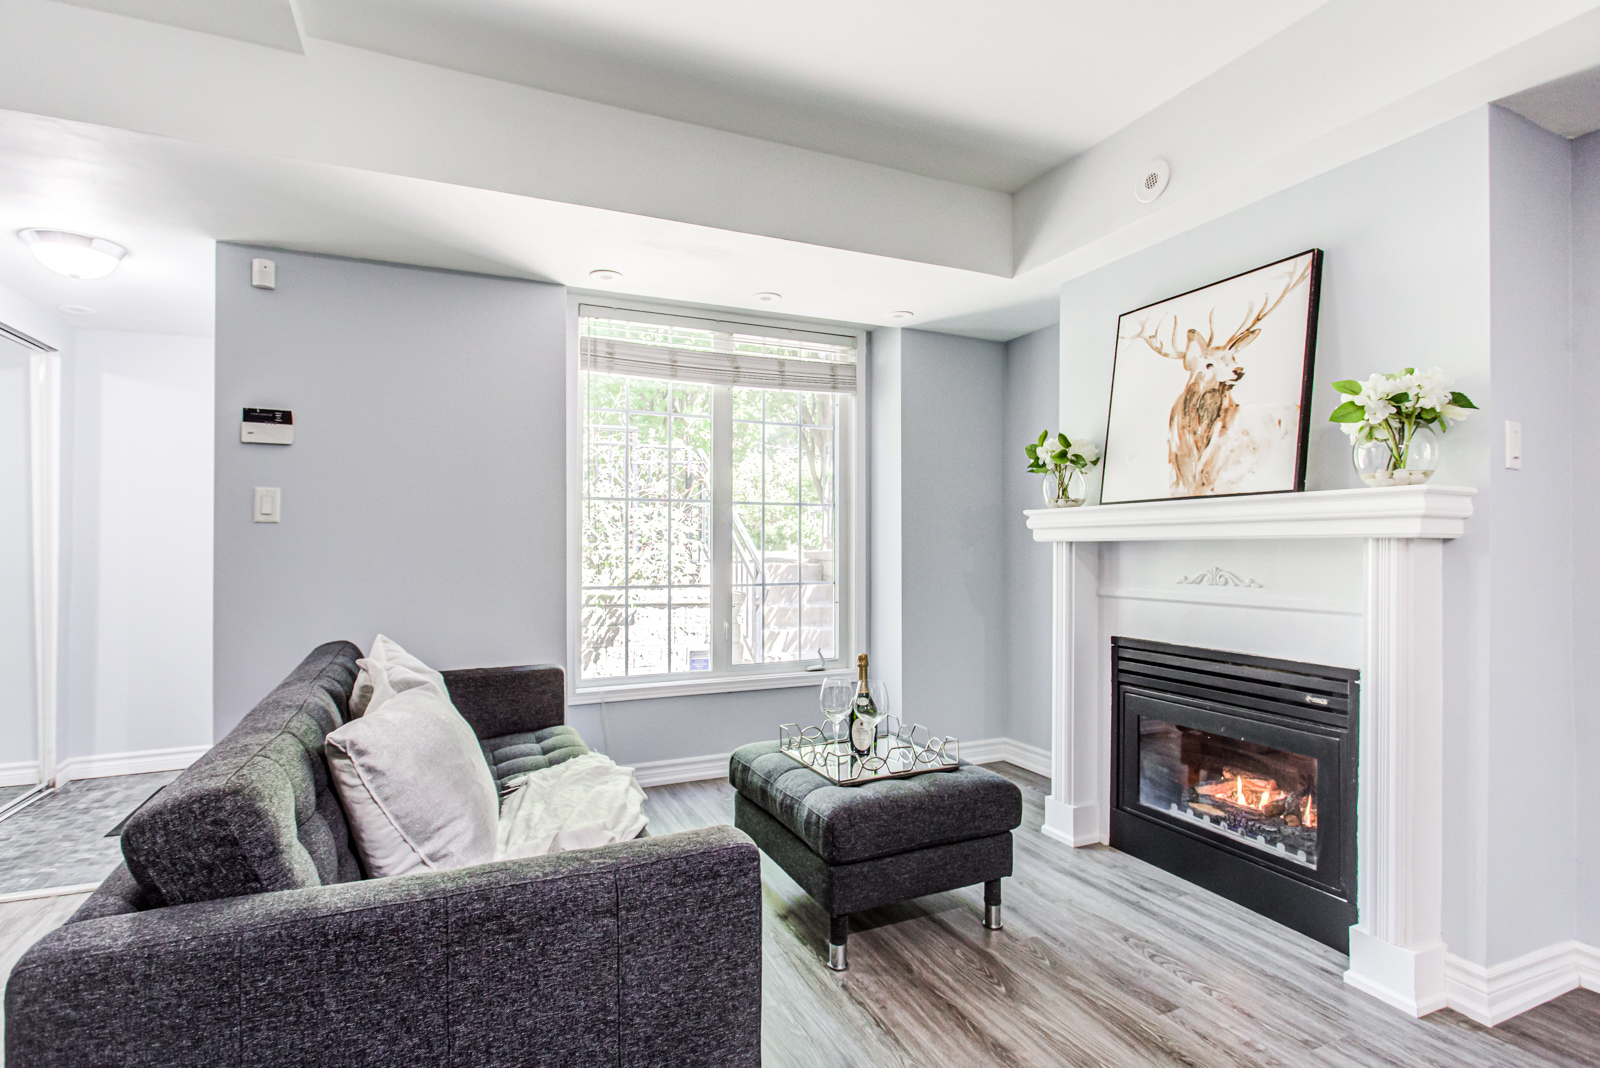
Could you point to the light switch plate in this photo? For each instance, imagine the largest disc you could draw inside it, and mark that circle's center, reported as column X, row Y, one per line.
column 269, row 504
column 1514, row 446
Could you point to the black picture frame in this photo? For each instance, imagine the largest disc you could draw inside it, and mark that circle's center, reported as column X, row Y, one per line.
column 1176, row 465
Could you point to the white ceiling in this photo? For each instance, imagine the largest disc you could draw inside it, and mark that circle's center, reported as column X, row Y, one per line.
column 990, row 94
column 263, row 22
column 166, row 140
column 1568, row 107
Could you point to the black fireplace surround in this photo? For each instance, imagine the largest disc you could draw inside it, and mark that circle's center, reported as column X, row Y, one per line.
column 1238, row 773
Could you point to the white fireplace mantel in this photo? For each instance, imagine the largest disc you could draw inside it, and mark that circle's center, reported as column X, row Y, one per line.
column 1397, row 952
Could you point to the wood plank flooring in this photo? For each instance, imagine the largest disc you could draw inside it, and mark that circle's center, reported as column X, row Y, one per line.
column 1104, row 962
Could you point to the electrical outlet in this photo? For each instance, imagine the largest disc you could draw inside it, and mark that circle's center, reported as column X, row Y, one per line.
column 1514, row 446
column 269, row 504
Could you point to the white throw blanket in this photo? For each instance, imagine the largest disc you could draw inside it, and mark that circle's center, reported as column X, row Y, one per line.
column 578, row 804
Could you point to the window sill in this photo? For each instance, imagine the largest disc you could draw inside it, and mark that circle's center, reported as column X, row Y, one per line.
column 593, row 694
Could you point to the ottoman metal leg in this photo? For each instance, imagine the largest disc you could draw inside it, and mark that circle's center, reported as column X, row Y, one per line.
column 838, row 934
column 991, row 905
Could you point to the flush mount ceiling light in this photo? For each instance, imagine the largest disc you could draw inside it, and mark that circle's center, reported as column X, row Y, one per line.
column 768, row 298
column 74, row 255
column 75, row 309
column 605, row 274
column 901, row 314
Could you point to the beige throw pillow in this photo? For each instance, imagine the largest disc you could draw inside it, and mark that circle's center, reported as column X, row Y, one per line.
column 417, row 793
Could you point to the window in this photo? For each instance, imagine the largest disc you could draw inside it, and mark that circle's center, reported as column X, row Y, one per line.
column 714, row 498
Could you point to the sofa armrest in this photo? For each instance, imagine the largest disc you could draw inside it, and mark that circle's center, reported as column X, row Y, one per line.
column 509, row 700
column 642, row 953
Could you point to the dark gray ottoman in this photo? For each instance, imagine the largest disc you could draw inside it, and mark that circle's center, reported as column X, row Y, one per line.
column 858, row 847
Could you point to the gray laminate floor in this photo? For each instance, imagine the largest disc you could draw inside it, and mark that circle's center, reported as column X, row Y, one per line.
column 1104, row 962
column 61, row 840
column 9, row 794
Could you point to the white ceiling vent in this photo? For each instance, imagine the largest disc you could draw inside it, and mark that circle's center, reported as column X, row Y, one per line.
column 1152, row 180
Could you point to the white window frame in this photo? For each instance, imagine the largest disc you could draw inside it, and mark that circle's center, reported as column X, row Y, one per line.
column 851, row 476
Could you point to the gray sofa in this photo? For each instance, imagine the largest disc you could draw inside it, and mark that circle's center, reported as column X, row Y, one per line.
column 239, row 931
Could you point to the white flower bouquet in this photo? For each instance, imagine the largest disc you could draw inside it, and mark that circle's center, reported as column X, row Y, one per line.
column 1054, row 457
column 1390, row 419
column 1061, row 458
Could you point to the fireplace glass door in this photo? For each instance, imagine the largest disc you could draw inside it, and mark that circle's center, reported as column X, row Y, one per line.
column 1258, row 796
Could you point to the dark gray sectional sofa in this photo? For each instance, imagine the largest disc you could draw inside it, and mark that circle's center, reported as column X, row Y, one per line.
column 240, row 931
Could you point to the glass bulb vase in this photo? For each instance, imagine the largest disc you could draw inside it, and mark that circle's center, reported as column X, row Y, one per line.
column 1066, row 489
column 1398, row 458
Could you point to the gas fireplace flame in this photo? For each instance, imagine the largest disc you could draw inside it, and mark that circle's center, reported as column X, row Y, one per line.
column 1308, row 813
column 1257, row 795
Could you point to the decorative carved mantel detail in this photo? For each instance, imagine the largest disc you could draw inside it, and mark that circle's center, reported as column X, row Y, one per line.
column 1218, row 576
column 1397, row 950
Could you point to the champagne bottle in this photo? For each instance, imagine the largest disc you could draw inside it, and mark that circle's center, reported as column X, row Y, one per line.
column 863, row 713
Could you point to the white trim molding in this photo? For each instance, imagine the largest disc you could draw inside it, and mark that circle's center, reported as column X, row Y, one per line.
column 1393, row 512
column 684, row 769
column 142, row 762
column 20, row 773
column 1025, row 756
column 1397, row 951
column 1495, row 994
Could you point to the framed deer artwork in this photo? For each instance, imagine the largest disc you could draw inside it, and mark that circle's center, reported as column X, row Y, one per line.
column 1211, row 389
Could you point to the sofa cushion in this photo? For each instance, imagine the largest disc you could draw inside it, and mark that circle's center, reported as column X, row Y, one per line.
column 513, row 754
column 416, row 791
column 844, row 824
column 256, row 812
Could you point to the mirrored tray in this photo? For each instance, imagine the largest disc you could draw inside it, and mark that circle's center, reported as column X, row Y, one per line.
column 899, row 751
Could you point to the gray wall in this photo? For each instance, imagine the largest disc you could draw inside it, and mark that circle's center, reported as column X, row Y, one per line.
column 1530, row 883
column 937, row 408
column 424, row 495
column 1586, row 520
column 136, row 589
column 1450, row 248
column 1033, row 371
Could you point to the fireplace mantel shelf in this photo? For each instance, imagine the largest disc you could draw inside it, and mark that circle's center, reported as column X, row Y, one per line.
column 1394, row 512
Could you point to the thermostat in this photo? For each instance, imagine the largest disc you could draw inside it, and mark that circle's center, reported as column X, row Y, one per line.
column 267, row 426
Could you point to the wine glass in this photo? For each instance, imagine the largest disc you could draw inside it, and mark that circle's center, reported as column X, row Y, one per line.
column 836, row 697
column 880, row 701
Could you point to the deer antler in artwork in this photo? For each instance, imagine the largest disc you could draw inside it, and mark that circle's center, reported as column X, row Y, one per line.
column 1153, row 341
column 1250, row 329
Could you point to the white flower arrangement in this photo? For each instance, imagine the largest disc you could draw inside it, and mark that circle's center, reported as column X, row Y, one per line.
column 1061, row 458
column 1390, row 408
column 1046, row 456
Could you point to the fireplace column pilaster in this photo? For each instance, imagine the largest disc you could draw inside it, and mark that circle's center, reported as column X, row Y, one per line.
column 1076, row 812
column 1397, row 949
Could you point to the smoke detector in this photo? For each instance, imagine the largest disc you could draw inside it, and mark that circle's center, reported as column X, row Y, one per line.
column 1152, row 180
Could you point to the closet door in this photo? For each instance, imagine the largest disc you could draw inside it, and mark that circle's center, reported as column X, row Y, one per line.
column 19, row 703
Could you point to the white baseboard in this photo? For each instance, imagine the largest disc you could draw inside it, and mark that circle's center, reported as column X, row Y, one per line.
column 988, row 750
column 138, row 763
column 684, row 769
column 21, row 773
column 49, row 891
column 1495, row 994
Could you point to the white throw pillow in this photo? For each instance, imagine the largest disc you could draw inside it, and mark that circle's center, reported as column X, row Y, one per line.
column 417, row 793
column 392, row 670
column 360, row 694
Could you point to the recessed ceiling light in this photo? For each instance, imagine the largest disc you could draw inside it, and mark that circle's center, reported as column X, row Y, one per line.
column 901, row 314
column 605, row 274
column 768, row 298
column 74, row 255
column 75, row 309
